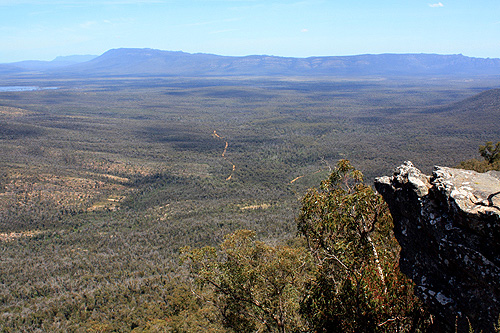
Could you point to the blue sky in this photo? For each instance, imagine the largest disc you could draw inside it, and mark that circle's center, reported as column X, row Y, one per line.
column 44, row 29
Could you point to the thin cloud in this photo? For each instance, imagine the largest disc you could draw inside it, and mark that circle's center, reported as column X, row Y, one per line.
column 436, row 5
column 222, row 31
column 88, row 24
column 41, row 13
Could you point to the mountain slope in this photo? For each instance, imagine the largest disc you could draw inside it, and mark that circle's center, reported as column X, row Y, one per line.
column 157, row 62
column 62, row 61
column 7, row 69
column 146, row 62
column 479, row 113
column 474, row 119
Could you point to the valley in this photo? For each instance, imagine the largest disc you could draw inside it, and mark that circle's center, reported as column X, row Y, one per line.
column 103, row 180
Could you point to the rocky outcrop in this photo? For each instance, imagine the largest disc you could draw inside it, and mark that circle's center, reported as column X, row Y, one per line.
column 448, row 226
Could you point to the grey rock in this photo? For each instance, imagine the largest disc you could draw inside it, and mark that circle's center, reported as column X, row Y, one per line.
column 448, row 226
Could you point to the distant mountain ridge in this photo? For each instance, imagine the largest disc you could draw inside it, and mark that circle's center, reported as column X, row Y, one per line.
column 145, row 62
column 58, row 62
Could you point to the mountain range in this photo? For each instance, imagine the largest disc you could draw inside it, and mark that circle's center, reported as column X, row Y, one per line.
column 147, row 62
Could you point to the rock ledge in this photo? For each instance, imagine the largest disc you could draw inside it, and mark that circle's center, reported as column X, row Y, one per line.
column 448, row 226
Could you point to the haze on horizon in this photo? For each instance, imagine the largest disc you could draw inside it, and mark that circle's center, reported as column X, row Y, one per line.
column 45, row 29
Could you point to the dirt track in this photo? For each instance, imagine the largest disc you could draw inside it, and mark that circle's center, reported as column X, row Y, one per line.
column 224, row 153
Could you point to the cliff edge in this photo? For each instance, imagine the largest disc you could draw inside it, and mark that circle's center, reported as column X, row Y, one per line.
column 448, row 226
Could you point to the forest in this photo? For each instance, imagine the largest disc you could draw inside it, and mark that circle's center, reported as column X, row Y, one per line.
column 119, row 196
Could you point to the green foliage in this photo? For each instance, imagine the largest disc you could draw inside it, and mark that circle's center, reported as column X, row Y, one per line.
column 479, row 166
column 489, row 152
column 491, row 155
column 253, row 286
column 348, row 282
column 358, row 286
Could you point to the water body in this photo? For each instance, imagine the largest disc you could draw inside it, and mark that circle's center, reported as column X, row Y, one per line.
column 24, row 88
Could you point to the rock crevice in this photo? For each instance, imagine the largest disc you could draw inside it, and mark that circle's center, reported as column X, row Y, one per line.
column 448, row 226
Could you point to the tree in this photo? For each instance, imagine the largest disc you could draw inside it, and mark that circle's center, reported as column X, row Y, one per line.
column 358, row 286
column 491, row 155
column 489, row 152
column 252, row 285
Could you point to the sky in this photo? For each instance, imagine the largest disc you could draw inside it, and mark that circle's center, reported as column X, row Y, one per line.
column 45, row 29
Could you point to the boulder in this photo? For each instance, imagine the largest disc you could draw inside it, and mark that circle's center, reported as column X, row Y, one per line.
column 448, row 226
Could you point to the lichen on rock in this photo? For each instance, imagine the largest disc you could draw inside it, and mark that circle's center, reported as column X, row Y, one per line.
column 448, row 226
